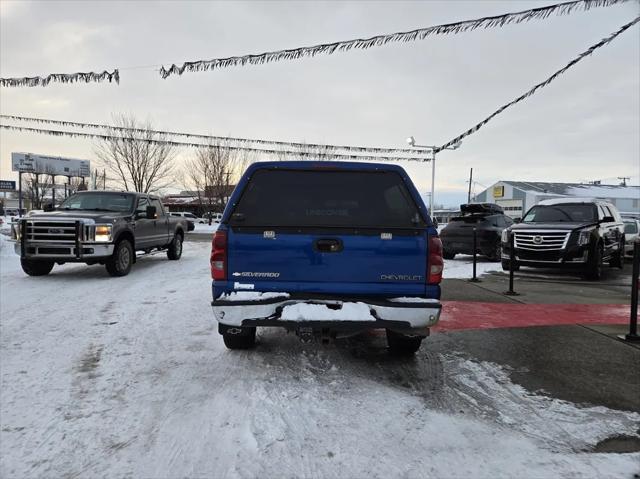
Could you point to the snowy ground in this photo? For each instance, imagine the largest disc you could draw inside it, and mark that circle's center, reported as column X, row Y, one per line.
column 462, row 266
column 204, row 228
column 5, row 224
column 127, row 377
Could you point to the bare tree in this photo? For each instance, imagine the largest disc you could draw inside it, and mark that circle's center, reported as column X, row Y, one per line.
column 36, row 188
column 137, row 158
column 211, row 171
column 75, row 184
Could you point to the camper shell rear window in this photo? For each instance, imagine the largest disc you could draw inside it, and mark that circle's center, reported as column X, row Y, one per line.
column 326, row 198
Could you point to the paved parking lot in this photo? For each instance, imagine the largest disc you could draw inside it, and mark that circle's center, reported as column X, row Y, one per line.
column 544, row 286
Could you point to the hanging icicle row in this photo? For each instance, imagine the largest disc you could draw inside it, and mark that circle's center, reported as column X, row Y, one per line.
column 246, row 141
column 580, row 57
column 270, row 152
column 496, row 21
column 80, row 77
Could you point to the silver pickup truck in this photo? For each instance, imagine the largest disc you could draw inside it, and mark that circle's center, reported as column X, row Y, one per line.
column 97, row 227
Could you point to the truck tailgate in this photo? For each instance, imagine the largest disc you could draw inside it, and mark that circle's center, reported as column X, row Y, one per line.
column 385, row 263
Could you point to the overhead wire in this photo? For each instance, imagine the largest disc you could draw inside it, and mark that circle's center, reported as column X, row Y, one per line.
column 323, row 146
column 271, row 152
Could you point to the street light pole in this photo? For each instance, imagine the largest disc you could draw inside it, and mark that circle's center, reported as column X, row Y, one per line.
column 433, row 180
column 433, row 149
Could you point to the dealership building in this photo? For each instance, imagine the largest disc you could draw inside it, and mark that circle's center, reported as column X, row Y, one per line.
column 516, row 197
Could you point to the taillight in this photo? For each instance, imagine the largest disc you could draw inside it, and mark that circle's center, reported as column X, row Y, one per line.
column 435, row 264
column 219, row 256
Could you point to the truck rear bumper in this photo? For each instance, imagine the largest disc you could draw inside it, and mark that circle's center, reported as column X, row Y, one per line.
column 410, row 316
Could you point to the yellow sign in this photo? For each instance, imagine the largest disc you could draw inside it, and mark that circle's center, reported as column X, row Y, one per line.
column 498, row 191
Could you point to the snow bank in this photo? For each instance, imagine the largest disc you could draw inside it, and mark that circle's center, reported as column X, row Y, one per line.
column 405, row 299
column 566, row 426
column 205, row 228
column 320, row 312
column 6, row 246
column 6, row 224
column 462, row 267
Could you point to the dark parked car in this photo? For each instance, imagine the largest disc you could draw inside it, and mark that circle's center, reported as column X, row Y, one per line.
column 568, row 233
column 488, row 219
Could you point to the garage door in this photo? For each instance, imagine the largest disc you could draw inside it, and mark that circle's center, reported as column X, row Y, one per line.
column 512, row 208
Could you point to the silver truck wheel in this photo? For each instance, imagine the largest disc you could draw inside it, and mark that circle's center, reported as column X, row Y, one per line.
column 35, row 267
column 120, row 262
column 174, row 252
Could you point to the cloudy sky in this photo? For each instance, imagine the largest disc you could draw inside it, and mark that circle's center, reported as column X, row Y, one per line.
column 584, row 126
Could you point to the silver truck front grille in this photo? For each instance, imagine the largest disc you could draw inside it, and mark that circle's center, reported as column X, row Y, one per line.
column 541, row 240
column 51, row 231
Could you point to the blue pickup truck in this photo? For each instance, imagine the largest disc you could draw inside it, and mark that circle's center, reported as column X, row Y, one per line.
column 326, row 250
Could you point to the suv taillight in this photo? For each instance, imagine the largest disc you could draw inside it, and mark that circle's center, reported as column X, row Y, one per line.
column 435, row 264
column 219, row 256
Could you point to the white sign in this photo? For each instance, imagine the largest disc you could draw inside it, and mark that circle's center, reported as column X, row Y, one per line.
column 50, row 165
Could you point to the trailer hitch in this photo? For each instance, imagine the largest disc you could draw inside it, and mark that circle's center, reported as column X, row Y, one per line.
column 305, row 334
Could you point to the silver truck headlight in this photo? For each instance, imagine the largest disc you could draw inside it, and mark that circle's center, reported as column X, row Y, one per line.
column 584, row 236
column 505, row 236
column 103, row 233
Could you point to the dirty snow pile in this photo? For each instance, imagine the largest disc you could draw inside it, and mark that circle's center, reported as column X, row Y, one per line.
column 128, row 377
column 320, row 312
column 462, row 266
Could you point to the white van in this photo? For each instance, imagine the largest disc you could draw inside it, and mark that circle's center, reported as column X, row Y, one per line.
column 188, row 216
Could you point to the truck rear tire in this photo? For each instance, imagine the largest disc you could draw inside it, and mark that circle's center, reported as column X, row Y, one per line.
column 244, row 340
column 403, row 345
column 36, row 267
column 119, row 264
column 174, row 252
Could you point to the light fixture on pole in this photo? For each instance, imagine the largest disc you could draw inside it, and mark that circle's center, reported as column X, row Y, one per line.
column 434, row 149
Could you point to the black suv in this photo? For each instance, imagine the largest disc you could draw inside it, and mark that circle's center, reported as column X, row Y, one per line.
column 488, row 219
column 567, row 233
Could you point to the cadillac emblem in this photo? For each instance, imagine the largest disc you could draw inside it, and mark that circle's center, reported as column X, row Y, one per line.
column 537, row 239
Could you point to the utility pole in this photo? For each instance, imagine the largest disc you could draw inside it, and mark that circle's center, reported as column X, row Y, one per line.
column 624, row 180
column 19, row 194
column 470, row 182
